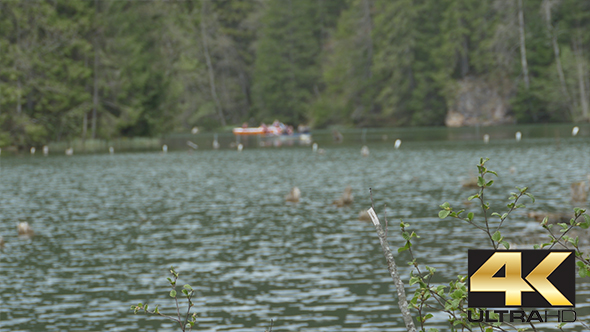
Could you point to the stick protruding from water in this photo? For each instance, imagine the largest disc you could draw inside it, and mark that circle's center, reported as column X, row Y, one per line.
column 392, row 267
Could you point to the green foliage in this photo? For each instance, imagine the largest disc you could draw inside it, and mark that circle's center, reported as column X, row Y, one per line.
column 107, row 69
column 186, row 322
column 452, row 298
column 286, row 69
column 42, row 70
column 346, row 70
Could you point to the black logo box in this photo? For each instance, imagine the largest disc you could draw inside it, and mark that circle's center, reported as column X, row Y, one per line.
column 563, row 278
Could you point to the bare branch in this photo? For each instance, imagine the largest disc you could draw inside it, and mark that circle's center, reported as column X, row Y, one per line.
column 401, row 293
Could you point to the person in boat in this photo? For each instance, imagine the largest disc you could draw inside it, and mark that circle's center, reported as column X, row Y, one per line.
column 289, row 130
column 264, row 127
column 245, row 125
column 279, row 126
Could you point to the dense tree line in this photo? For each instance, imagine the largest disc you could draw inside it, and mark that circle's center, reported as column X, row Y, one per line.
column 107, row 68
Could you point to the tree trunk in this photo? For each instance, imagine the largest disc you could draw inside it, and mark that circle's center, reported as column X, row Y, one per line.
column 210, row 69
column 547, row 5
column 84, row 126
column 85, row 119
column 18, row 83
column 581, row 73
column 368, row 29
column 525, row 68
column 95, row 92
column 18, row 94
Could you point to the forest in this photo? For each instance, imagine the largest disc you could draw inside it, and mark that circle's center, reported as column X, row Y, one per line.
column 103, row 69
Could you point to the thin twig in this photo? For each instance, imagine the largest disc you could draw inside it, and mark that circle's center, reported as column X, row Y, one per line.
column 562, row 234
column 188, row 311
column 485, row 215
column 509, row 211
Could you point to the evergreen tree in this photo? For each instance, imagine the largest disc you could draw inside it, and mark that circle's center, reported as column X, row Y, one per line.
column 347, row 96
column 286, row 73
column 42, row 75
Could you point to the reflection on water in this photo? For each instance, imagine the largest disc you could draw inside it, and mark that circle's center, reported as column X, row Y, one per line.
column 109, row 226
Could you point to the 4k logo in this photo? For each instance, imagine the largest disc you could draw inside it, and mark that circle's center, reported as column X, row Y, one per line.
column 521, row 278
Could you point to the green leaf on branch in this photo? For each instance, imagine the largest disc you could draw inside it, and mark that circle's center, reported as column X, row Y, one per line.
column 173, row 293
column 497, row 236
column 406, row 247
column 531, row 196
column 472, row 197
column 443, row 214
column 458, row 294
column 481, row 182
column 456, row 214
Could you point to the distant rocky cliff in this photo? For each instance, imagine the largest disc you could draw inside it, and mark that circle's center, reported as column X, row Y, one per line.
column 479, row 102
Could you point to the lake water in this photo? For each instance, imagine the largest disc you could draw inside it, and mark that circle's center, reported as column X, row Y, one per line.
column 108, row 227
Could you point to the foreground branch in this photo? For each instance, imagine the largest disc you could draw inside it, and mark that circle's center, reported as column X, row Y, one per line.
column 401, row 293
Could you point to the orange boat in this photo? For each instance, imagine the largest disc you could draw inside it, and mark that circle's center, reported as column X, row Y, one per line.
column 256, row 131
column 272, row 136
